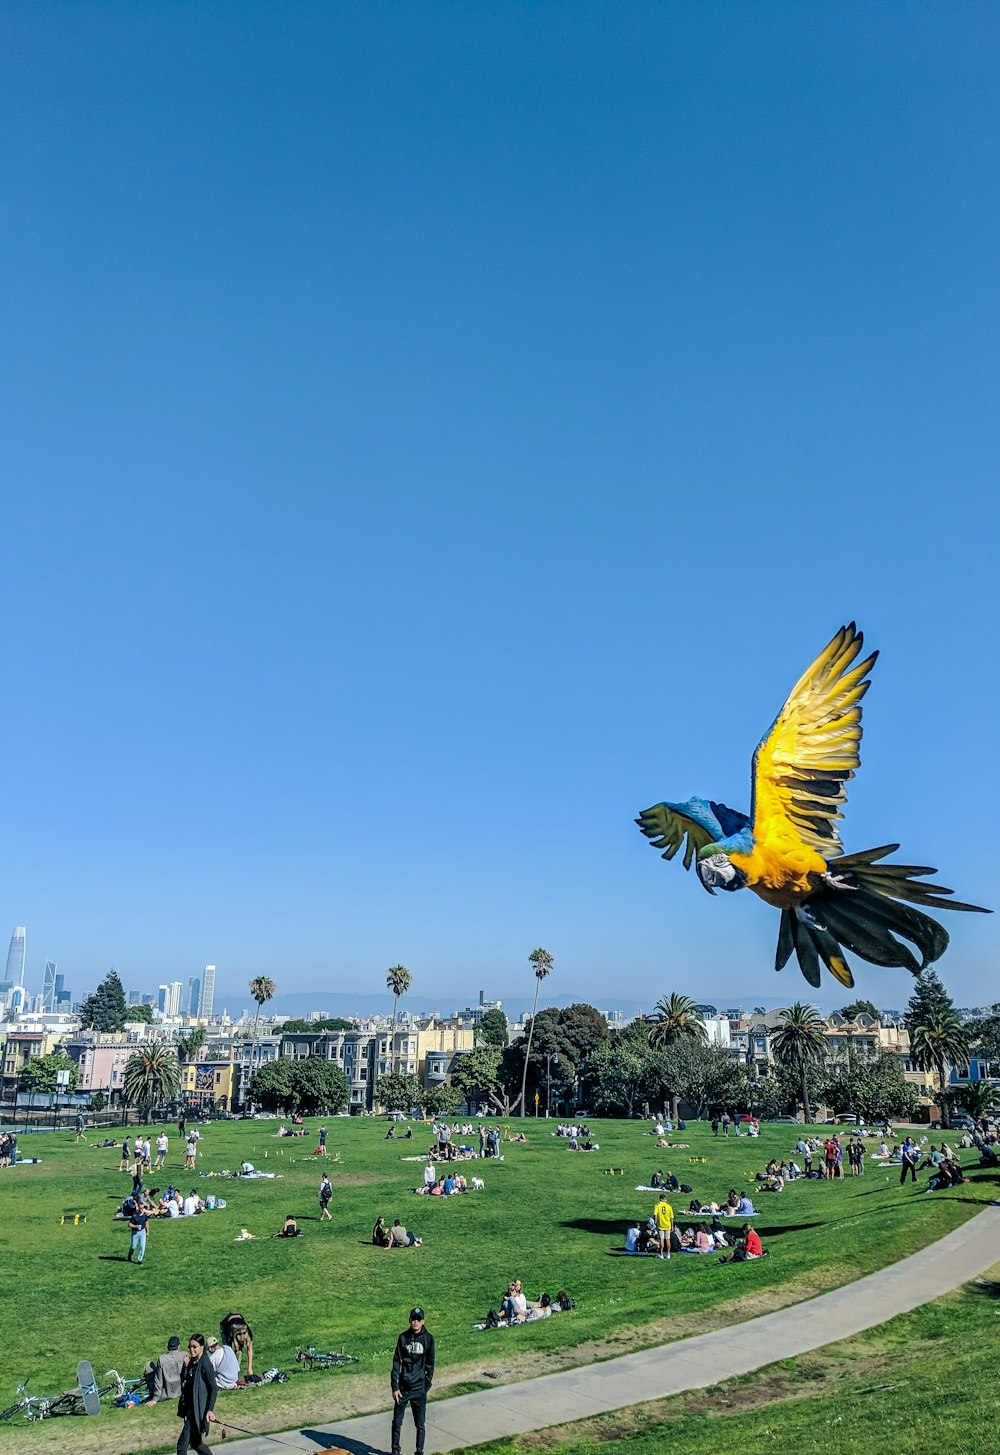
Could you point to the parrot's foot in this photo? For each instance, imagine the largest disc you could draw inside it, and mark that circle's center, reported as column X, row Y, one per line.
column 835, row 881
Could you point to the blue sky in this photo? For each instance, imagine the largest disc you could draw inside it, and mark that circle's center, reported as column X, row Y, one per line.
column 432, row 433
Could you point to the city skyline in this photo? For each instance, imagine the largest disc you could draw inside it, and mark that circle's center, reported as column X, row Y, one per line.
column 432, row 473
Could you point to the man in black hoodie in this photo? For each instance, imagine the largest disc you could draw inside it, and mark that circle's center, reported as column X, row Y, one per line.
column 412, row 1373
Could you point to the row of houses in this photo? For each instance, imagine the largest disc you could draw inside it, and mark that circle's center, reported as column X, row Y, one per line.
column 224, row 1064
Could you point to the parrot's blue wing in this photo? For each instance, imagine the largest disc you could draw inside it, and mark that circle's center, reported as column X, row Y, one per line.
column 693, row 824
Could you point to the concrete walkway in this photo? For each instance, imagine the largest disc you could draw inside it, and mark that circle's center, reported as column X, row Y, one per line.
column 593, row 1389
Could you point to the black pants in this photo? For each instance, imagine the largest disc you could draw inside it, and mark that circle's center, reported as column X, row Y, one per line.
column 191, row 1438
column 418, row 1404
column 908, row 1167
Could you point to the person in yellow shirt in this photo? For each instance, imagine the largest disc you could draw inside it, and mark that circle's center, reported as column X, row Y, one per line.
column 663, row 1217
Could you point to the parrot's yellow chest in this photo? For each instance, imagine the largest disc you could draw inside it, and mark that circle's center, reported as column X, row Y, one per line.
column 781, row 874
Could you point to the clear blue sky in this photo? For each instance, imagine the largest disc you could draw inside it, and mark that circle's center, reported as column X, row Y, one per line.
column 434, row 432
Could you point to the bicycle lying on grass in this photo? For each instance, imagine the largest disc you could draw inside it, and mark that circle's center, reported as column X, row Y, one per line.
column 314, row 1358
column 79, row 1401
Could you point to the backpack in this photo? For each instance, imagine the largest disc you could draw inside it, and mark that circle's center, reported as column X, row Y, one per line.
column 685, row 1187
column 493, row 1319
column 564, row 1302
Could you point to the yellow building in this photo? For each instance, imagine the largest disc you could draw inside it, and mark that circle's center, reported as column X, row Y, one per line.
column 210, row 1082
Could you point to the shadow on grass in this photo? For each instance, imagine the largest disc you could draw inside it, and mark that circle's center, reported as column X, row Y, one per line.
column 112, row 1258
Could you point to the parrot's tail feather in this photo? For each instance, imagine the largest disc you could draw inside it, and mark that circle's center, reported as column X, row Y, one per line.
column 860, row 908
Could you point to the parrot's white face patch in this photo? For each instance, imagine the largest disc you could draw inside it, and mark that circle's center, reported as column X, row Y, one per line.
column 716, row 872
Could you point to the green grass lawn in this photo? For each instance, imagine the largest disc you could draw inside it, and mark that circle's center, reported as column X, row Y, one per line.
column 548, row 1215
column 925, row 1380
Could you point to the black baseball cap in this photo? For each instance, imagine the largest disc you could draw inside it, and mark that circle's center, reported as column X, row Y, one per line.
column 416, row 1313
column 173, row 1342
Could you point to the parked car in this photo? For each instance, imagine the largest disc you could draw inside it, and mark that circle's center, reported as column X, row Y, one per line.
column 789, row 1121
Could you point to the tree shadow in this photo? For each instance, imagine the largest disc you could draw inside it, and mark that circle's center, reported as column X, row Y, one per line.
column 597, row 1225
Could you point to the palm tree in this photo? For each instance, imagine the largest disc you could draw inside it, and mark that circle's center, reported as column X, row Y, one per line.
column 262, row 988
column 675, row 1019
column 152, row 1075
column 542, row 962
column 398, row 979
column 940, row 1042
column 977, row 1098
column 799, row 1043
column 190, row 1044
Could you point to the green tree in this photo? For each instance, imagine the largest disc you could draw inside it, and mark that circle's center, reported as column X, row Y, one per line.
column 317, row 1085
column 152, row 1076
column 621, row 1071
column 542, row 963
column 476, row 1077
column 104, row 1009
column 978, row 1098
column 859, row 1007
column 40, row 1072
column 703, row 1075
column 928, row 1000
column 675, row 1020
column 190, row 1043
column 398, row 979
column 398, row 1091
column 271, row 1086
column 493, row 1029
column 439, row 1101
column 939, row 1043
column 561, row 1042
column 141, row 1015
column 874, row 1088
column 799, row 1043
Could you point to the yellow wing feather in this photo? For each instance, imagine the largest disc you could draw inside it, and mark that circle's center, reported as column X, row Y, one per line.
column 801, row 768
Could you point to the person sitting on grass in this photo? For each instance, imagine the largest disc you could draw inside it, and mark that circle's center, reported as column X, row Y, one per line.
column 290, row 1229
column 400, row 1238
column 744, row 1206
column 748, row 1247
column 633, row 1238
column 380, row 1233
column 514, row 1308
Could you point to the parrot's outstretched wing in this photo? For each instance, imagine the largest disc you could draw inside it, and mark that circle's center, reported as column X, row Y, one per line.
column 801, row 766
column 694, row 824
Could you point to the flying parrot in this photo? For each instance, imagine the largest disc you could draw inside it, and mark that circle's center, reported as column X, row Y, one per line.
column 788, row 850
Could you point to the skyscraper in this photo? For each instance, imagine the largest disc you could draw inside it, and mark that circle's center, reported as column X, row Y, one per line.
column 207, row 993
column 194, row 997
column 49, row 986
column 15, row 957
column 161, row 998
column 174, row 990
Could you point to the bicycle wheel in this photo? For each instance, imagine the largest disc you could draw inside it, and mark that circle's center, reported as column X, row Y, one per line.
column 66, row 1404
column 11, row 1411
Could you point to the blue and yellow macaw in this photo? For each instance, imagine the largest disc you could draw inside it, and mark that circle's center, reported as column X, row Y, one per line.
column 788, row 850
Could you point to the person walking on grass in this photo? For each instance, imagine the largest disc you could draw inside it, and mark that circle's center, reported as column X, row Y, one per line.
column 911, row 1156
column 411, row 1378
column 663, row 1217
column 325, row 1194
column 126, row 1162
column 196, row 1405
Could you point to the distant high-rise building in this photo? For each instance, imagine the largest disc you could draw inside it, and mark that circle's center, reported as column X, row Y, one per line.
column 194, row 997
column 15, row 957
column 49, row 986
column 174, row 991
column 207, row 993
column 161, row 998
column 134, row 997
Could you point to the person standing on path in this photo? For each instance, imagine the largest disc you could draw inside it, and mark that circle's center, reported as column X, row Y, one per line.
column 199, row 1390
column 325, row 1194
column 663, row 1216
column 137, row 1227
column 411, row 1378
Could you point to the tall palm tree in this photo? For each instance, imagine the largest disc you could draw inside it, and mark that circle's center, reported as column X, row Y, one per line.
column 398, row 979
column 542, row 962
column 675, row 1019
column 152, row 1075
column 799, row 1043
column 941, row 1042
column 263, row 989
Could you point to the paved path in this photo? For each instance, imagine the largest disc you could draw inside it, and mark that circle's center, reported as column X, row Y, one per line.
column 593, row 1389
